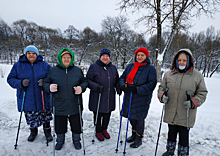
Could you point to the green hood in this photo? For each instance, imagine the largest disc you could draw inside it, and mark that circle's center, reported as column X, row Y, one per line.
column 59, row 58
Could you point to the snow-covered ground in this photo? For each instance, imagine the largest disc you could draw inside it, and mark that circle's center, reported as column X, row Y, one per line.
column 204, row 137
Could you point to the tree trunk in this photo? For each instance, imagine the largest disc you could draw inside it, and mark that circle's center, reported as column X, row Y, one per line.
column 214, row 70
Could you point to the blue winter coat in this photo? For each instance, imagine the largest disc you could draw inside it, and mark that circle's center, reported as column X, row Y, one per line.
column 145, row 81
column 23, row 69
column 107, row 76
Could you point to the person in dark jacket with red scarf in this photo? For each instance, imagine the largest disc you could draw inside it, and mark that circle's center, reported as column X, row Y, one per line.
column 140, row 78
column 102, row 78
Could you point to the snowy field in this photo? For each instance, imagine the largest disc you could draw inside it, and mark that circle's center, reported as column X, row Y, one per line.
column 204, row 137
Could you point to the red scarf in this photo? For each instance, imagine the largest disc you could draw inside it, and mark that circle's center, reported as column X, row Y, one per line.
column 133, row 72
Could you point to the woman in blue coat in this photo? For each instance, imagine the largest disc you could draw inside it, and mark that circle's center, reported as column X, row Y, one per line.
column 103, row 78
column 28, row 75
column 140, row 78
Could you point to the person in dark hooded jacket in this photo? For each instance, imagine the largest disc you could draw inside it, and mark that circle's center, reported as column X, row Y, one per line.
column 27, row 75
column 67, row 83
column 140, row 79
column 103, row 78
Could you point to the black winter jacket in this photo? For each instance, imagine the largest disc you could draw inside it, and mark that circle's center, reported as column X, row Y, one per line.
column 107, row 76
column 65, row 99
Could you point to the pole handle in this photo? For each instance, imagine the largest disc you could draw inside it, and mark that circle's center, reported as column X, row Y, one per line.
column 165, row 93
column 188, row 96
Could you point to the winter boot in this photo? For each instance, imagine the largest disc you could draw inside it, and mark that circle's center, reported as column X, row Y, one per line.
column 99, row 136
column 132, row 137
column 47, row 131
column 137, row 141
column 76, row 141
column 106, row 134
column 170, row 148
column 60, row 141
column 182, row 150
column 33, row 134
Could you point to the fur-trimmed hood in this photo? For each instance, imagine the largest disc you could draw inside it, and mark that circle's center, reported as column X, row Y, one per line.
column 190, row 61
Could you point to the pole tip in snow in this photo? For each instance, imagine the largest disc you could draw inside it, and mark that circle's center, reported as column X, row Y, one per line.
column 121, row 142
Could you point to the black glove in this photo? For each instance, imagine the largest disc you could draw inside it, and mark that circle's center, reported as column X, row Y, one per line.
column 124, row 89
column 40, row 82
column 133, row 89
column 119, row 91
column 100, row 88
column 25, row 82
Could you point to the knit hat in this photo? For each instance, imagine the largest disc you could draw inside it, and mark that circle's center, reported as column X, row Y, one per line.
column 143, row 50
column 31, row 48
column 105, row 51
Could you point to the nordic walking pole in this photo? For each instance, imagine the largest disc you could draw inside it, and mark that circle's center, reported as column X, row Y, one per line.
column 22, row 105
column 165, row 93
column 42, row 94
column 97, row 112
column 80, row 116
column 53, row 102
column 119, row 115
column 188, row 99
column 127, row 123
column 116, row 150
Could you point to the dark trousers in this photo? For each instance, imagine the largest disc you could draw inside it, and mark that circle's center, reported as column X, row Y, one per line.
column 183, row 134
column 61, row 124
column 137, row 126
column 102, row 121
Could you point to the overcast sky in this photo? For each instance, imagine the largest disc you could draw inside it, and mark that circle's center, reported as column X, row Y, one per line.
column 79, row 13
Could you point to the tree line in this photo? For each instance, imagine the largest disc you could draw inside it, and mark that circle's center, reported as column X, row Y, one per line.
column 115, row 35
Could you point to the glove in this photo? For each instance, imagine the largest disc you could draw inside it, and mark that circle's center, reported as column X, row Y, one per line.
column 40, row 82
column 124, row 89
column 133, row 89
column 78, row 90
column 53, row 88
column 164, row 98
column 118, row 91
column 25, row 82
column 100, row 88
column 188, row 104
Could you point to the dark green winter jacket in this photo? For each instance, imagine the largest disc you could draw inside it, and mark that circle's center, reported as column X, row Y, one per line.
column 65, row 99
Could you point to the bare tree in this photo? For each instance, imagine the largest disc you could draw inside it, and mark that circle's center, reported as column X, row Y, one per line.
column 174, row 13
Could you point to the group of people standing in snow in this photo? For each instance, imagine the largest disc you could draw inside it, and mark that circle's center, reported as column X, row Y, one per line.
column 62, row 86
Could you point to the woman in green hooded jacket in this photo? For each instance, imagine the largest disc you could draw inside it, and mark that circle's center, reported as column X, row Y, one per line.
column 67, row 83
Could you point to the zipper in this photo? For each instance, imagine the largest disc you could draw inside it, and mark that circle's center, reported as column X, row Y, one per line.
column 67, row 88
column 108, row 88
column 35, row 99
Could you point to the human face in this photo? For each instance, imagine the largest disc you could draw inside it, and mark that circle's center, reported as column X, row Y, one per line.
column 140, row 57
column 31, row 56
column 105, row 58
column 182, row 59
column 66, row 58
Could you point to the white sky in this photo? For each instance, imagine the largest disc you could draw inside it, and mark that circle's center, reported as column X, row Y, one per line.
column 80, row 14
